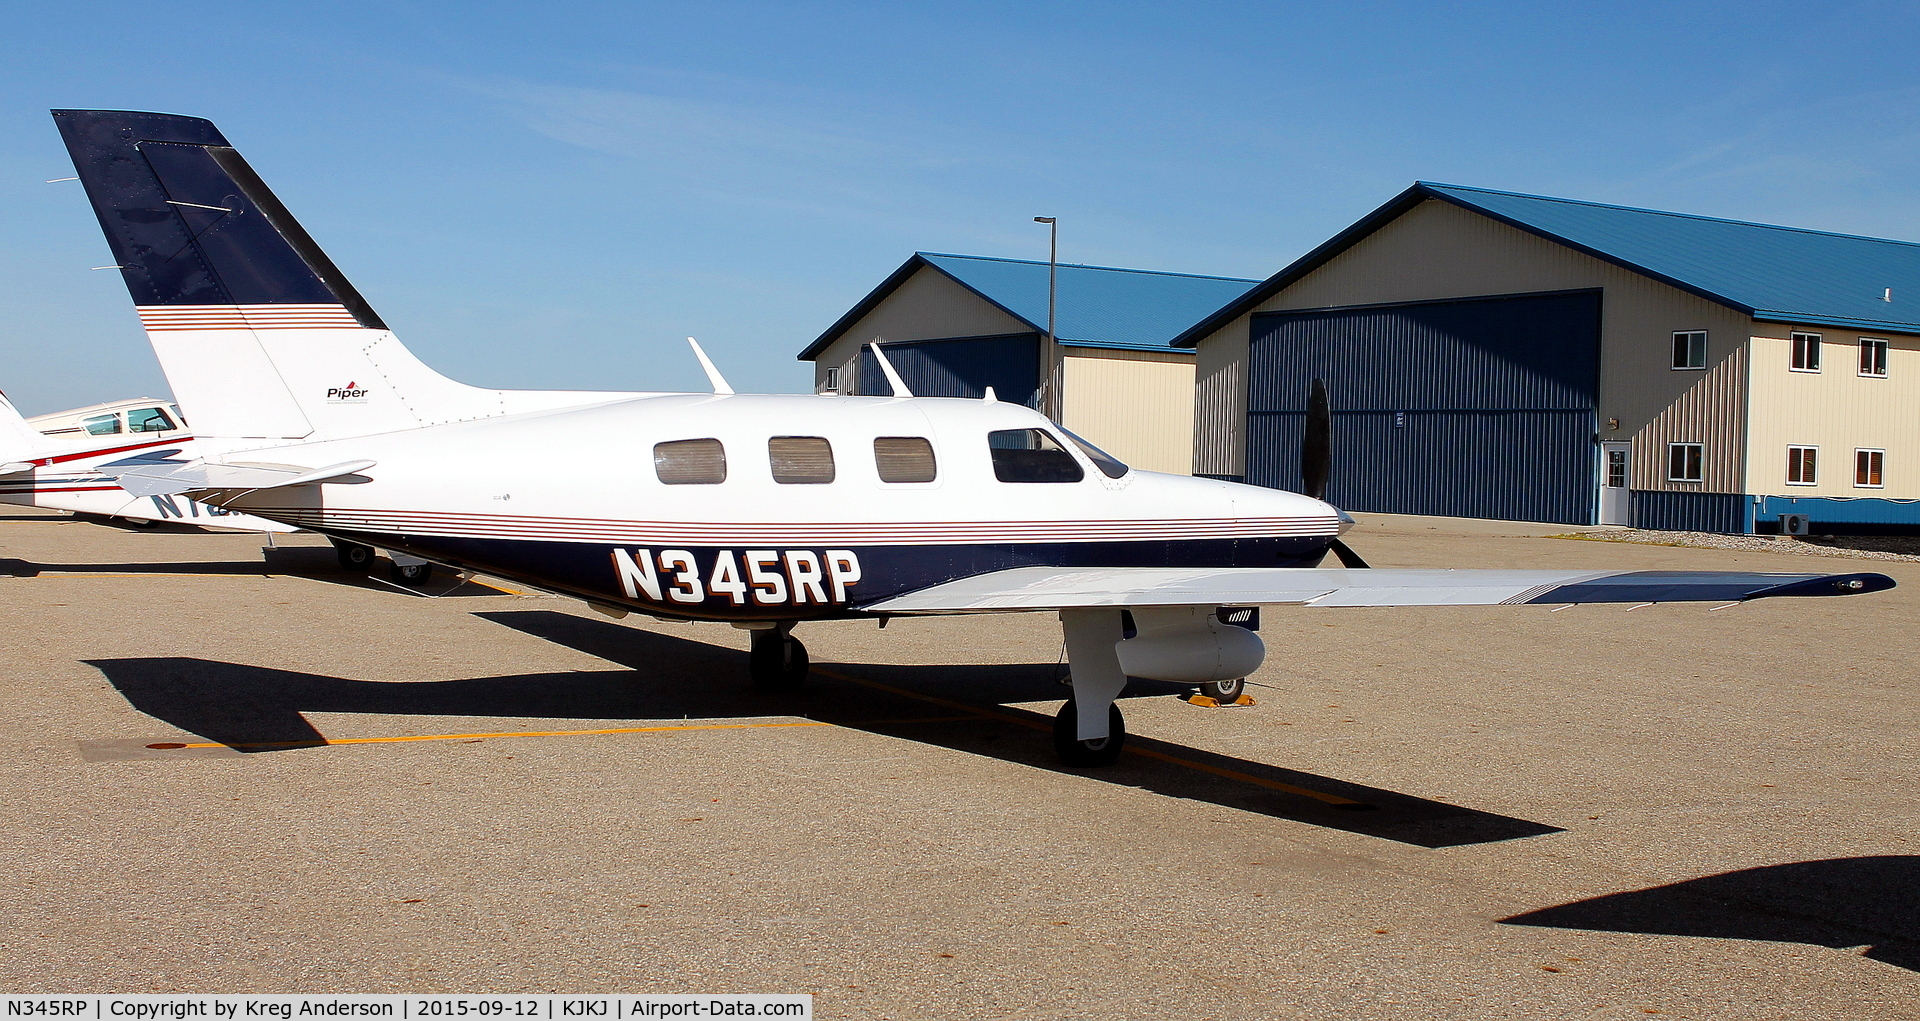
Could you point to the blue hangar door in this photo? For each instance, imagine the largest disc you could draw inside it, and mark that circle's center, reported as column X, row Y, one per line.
column 960, row 367
column 1480, row 408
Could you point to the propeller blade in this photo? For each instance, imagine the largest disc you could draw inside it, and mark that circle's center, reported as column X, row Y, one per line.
column 1316, row 443
column 1348, row 558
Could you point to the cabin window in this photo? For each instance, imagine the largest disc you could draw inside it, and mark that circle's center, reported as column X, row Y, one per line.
column 101, row 425
column 1109, row 465
column 1683, row 462
column 801, row 460
column 1803, row 466
column 833, row 378
column 1030, row 455
column 690, row 462
column 149, row 420
column 904, row 459
column 1867, row 465
column 1873, row 357
column 1806, row 352
column 1690, row 349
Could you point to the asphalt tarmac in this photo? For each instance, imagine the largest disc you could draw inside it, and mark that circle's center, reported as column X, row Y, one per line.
column 1473, row 812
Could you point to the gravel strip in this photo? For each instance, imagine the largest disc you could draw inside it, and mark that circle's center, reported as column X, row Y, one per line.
column 1756, row 543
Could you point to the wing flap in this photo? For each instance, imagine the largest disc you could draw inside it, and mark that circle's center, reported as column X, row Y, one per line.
column 1050, row 588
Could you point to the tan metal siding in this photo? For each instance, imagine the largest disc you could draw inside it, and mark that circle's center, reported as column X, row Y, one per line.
column 1438, row 250
column 1220, row 402
column 1711, row 413
column 926, row 306
column 1136, row 405
column 1835, row 409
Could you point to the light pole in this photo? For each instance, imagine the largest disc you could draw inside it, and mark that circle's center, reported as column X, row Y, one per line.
column 1049, row 391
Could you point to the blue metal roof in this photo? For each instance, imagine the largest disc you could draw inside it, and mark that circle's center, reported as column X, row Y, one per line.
column 1097, row 306
column 1783, row 274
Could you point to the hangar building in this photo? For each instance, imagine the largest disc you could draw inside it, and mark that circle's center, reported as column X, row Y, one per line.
column 953, row 325
column 1492, row 354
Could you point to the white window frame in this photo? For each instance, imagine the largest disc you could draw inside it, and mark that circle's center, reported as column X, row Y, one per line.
column 1700, row 462
column 1793, row 351
column 1868, row 344
column 832, row 381
column 1691, row 349
column 1872, row 451
column 1793, row 463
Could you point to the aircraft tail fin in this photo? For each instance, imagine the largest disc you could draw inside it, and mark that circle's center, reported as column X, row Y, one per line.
column 260, row 334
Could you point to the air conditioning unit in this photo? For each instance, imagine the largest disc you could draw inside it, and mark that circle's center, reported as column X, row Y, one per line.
column 1793, row 524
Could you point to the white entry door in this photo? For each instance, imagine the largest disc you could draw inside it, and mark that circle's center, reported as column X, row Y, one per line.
column 1614, row 476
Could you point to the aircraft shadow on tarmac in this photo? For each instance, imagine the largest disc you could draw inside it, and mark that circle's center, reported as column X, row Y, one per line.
column 256, row 709
column 312, row 562
column 1838, row 902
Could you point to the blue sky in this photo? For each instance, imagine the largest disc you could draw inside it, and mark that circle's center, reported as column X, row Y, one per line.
column 553, row 195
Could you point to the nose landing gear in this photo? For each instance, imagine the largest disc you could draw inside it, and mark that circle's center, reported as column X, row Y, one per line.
column 1225, row 692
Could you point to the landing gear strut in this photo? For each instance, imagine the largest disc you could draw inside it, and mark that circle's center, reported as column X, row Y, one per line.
column 1089, row 731
column 777, row 660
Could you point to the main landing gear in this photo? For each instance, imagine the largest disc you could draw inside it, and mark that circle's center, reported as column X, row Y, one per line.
column 777, row 661
column 412, row 572
column 1089, row 732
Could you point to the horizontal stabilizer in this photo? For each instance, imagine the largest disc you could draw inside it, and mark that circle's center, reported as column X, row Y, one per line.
column 160, row 478
column 1049, row 588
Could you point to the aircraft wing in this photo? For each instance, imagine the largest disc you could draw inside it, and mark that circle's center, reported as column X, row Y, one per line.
column 149, row 477
column 1054, row 588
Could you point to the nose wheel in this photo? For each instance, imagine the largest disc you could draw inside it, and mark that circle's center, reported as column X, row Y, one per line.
column 777, row 661
column 413, row 575
column 1225, row 692
column 1087, row 754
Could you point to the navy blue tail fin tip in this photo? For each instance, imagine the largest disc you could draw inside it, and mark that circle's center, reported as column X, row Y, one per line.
column 190, row 223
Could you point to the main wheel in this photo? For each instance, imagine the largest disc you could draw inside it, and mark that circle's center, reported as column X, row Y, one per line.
column 353, row 556
column 412, row 574
column 1225, row 692
column 1087, row 754
column 777, row 661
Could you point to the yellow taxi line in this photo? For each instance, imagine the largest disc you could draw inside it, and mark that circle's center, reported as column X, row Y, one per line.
column 170, row 745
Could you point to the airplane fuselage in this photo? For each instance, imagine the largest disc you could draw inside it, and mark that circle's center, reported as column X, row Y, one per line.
column 774, row 507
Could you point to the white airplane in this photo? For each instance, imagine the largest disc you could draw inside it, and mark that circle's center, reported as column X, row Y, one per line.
column 53, row 461
column 763, row 511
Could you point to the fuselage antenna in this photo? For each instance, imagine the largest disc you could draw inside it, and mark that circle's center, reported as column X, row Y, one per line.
column 893, row 378
column 713, row 375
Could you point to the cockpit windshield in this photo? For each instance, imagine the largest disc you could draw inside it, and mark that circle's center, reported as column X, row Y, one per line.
column 1109, row 465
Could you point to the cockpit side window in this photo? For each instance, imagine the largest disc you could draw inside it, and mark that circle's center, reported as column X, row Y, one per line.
column 1109, row 465
column 1031, row 455
column 102, row 425
column 148, row 420
column 700, row 462
column 904, row 459
column 801, row 460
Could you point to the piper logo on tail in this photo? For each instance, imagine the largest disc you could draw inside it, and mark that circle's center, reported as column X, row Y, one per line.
column 352, row 393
